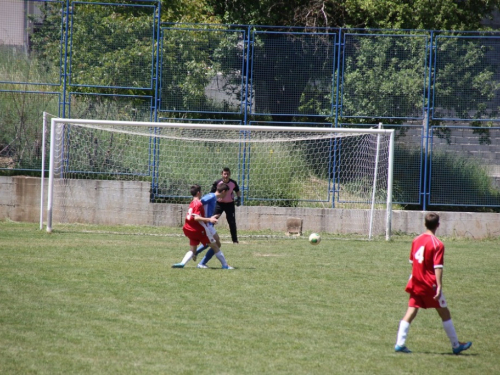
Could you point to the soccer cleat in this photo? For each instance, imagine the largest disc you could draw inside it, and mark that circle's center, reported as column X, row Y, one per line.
column 202, row 266
column 402, row 349
column 178, row 265
column 462, row 346
column 228, row 267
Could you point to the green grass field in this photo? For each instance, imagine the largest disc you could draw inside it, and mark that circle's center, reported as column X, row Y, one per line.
column 97, row 303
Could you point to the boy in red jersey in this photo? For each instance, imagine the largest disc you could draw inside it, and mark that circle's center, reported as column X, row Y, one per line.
column 195, row 229
column 425, row 285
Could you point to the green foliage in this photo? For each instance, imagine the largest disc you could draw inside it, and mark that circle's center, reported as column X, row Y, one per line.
column 420, row 14
column 111, row 107
column 281, row 161
column 384, row 76
column 21, row 131
column 46, row 41
column 112, row 46
column 387, row 14
column 188, row 11
column 464, row 78
column 292, row 73
column 461, row 180
column 195, row 58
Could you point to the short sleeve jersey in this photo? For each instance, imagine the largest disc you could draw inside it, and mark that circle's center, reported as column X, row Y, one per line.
column 427, row 254
column 195, row 208
column 233, row 186
column 209, row 201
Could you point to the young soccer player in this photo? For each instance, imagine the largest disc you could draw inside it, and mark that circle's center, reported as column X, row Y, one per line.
column 196, row 230
column 209, row 202
column 425, row 286
column 227, row 203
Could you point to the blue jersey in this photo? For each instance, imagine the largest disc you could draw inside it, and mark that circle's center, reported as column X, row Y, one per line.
column 209, row 201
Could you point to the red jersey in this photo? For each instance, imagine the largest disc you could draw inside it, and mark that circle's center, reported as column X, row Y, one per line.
column 427, row 253
column 195, row 208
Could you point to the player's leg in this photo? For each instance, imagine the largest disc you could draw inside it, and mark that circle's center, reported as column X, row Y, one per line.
column 187, row 257
column 201, row 249
column 203, row 264
column 217, row 239
column 449, row 328
column 231, row 221
column 404, row 328
column 210, row 253
column 220, row 256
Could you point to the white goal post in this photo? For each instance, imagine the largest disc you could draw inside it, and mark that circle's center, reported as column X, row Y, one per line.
column 335, row 180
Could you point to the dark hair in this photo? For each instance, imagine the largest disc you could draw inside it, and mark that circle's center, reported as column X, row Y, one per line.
column 431, row 220
column 226, row 169
column 222, row 187
column 195, row 189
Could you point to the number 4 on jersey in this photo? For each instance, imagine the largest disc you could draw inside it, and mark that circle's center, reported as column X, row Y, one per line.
column 419, row 254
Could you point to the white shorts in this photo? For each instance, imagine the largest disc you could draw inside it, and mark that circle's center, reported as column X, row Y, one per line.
column 211, row 232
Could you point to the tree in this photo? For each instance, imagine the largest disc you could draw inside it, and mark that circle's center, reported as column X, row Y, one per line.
column 391, row 14
column 188, row 11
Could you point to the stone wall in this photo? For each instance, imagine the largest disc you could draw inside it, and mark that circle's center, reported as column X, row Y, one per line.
column 127, row 203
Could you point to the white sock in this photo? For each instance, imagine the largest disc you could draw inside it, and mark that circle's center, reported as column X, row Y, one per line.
column 404, row 327
column 187, row 257
column 221, row 258
column 449, row 328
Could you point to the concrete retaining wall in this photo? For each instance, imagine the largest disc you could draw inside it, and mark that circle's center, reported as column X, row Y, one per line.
column 119, row 202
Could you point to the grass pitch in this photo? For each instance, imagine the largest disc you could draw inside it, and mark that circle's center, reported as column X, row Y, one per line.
column 101, row 303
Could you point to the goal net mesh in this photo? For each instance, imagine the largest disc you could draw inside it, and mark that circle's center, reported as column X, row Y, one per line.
column 133, row 174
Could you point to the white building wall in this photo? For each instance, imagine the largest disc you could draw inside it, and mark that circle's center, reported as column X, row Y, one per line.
column 13, row 22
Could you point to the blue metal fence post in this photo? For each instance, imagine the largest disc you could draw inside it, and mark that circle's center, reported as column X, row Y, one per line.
column 337, row 67
column 154, row 153
column 65, row 34
column 335, row 92
column 427, row 115
column 247, row 102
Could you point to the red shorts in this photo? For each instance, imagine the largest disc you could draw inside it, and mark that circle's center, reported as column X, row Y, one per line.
column 196, row 237
column 426, row 301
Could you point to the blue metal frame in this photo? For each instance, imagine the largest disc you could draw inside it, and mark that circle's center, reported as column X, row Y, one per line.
column 62, row 2
column 436, row 38
column 159, row 91
column 57, row 94
column 255, row 33
column 345, row 35
column 246, row 113
column 430, row 153
column 154, row 9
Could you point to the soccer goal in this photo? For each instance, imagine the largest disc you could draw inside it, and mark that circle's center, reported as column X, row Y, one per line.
column 334, row 181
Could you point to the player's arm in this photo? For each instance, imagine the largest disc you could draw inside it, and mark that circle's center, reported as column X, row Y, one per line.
column 212, row 219
column 236, row 188
column 439, row 282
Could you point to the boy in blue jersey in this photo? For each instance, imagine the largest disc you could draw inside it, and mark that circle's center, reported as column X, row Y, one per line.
column 209, row 202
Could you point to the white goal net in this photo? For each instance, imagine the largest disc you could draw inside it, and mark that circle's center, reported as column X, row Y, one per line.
column 331, row 180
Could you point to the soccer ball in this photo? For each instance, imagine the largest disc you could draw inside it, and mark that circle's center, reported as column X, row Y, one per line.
column 314, row 238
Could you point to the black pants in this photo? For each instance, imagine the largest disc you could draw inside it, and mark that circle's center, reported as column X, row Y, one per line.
column 228, row 208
